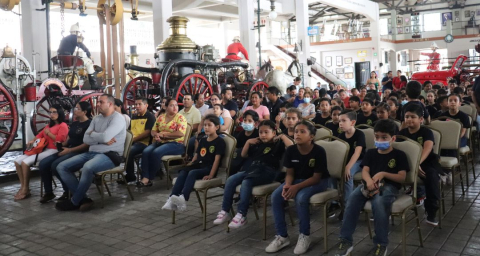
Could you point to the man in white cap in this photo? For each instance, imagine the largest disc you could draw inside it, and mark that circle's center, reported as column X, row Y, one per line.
column 68, row 46
column 434, row 64
column 234, row 48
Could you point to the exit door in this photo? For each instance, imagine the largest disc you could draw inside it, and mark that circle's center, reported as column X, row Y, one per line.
column 362, row 73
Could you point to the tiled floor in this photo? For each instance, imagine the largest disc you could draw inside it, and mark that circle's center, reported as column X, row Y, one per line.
column 140, row 227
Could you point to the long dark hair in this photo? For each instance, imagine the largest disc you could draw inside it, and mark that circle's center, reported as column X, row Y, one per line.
column 61, row 115
column 85, row 106
column 215, row 120
column 119, row 103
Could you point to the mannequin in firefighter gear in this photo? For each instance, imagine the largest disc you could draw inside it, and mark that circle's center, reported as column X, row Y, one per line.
column 434, row 63
column 234, row 48
column 68, row 46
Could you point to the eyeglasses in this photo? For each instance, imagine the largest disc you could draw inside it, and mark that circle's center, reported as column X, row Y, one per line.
column 53, row 112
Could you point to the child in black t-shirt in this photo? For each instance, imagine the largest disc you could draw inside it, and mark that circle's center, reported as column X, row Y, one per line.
column 307, row 175
column 249, row 123
column 334, row 124
column 429, row 165
column 354, row 103
column 381, row 164
column 324, row 115
column 455, row 113
column 204, row 165
column 264, row 154
column 367, row 116
column 413, row 91
column 292, row 117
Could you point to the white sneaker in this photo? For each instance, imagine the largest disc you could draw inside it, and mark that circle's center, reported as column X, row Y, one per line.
column 238, row 221
column 302, row 244
column 449, row 179
column 277, row 244
column 169, row 205
column 222, row 217
column 443, row 178
column 180, row 202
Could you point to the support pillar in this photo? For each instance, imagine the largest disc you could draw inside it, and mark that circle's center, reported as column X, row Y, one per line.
column 393, row 24
column 162, row 10
column 301, row 13
column 246, row 13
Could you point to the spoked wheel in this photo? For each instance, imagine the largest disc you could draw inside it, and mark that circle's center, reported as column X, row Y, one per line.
column 141, row 86
column 8, row 119
column 91, row 98
column 193, row 84
column 259, row 86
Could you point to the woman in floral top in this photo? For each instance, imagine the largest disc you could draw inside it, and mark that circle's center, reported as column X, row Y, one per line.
column 168, row 134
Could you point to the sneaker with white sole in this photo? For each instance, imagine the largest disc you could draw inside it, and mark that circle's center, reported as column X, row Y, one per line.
column 169, row 205
column 449, row 179
column 344, row 248
column 302, row 244
column 180, row 202
column 421, row 201
column 222, row 217
column 277, row 244
column 431, row 220
column 238, row 221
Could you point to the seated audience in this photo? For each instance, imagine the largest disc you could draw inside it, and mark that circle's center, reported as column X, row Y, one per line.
column 307, row 108
column 120, row 109
column 324, row 115
column 262, row 111
column 334, row 126
column 366, row 115
column 249, row 131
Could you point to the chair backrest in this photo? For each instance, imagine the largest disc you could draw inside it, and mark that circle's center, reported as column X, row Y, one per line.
column 437, row 138
column 337, row 154
column 230, row 127
column 369, row 137
column 469, row 110
column 413, row 150
column 322, row 132
column 188, row 133
column 230, row 144
column 468, row 132
column 363, row 126
column 127, row 146
column 450, row 131
column 398, row 123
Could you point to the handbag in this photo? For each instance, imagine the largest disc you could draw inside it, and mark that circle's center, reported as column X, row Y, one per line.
column 114, row 157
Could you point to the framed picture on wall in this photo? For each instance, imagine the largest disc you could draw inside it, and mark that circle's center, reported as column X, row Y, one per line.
column 339, row 61
column 399, row 30
column 328, row 61
column 406, row 21
column 399, row 20
column 348, row 75
column 348, row 60
column 339, row 71
column 467, row 14
column 406, row 30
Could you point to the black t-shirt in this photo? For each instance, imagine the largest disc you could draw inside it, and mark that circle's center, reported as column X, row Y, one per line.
column 357, row 140
column 393, row 162
column 76, row 132
column 242, row 137
column 476, row 89
column 422, row 135
column 368, row 120
column 285, row 131
column 231, row 106
column 274, row 109
column 426, row 114
column 388, row 85
column 331, row 93
column 207, row 150
column 305, row 166
column 432, row 110
column 318, row 119
column 336, row 131
column 267, row 154
column 460, row 116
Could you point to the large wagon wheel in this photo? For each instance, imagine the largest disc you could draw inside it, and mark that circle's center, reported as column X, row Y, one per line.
column 193, row 84
column 141, row 86
column 259, row 86
column 8, row 119
column 91, row 98
column 41, row 117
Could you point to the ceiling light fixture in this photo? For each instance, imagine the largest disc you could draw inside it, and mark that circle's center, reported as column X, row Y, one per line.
column 273, row 14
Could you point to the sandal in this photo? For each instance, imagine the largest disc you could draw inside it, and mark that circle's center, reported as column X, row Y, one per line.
column 142, row 185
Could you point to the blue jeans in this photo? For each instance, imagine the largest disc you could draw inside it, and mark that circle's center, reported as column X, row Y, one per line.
column 381, row 208
column 302, row 203
column 191, row 146
column 186, row 181
column 152, row 156
column 89, row 163
column 349, row 184
column 48, row 168
column 137, row 148
column 266, row 176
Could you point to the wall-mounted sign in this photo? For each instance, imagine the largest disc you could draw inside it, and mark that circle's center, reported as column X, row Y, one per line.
column 313, row 31
column 362, row 54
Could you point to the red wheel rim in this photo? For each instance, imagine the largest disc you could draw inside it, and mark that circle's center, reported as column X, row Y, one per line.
column 141, row 86
column 259, row 86
column 41, row 117
column 91, row 98
column 193, row 84
column 8, row 119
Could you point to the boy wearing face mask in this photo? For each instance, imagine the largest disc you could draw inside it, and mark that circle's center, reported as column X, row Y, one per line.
column 381, row 165
column 250, row 121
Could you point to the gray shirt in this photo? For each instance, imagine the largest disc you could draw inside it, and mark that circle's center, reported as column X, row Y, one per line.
column 103, row 130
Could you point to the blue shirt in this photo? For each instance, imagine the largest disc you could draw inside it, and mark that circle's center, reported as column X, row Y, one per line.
column 297, row 102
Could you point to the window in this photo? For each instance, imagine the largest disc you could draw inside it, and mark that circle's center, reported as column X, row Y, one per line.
column 432, row 22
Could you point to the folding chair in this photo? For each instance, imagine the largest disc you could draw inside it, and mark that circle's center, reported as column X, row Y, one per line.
column 168, row 160
column 322, row 132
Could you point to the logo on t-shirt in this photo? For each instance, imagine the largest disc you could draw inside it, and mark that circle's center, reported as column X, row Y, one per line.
column 211, row 149
column 392, row 163
column 266, row 150
column 420, row 140
column 235, row 154
column 311, row 163
column 79, row 130
column 369, row 121
column 203, row 152
column 339, row 130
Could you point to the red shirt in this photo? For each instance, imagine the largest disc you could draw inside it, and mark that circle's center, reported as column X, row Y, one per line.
column 346, row 102
column 234, row 49
column 59, row 130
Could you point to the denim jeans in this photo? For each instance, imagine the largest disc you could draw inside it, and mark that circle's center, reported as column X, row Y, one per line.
column 137, row 148
column 381, row 208
column 302, row 204
column 186, row 181
column 89, row 163
column 48, row 168
column 266, row 176
column 349, row 184
column 191, row 146
column 152, row 156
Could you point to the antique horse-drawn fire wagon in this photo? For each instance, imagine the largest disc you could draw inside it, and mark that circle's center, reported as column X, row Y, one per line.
column 184, row 67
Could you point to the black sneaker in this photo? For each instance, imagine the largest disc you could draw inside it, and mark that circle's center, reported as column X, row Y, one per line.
column 431, row 220
column 66, row 206
column 340, row 216
column 378, row 251
column 86, row 204
column 64, row 197
column 47, row 198
column 344, row 248
column 332, row 209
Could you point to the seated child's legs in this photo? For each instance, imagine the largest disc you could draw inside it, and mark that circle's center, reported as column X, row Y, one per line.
column 278, row 210
column 302, row 203
column 192, row 177
column 432, row 190
column 382, row 208
column 463, row 141
column 355, row 204
column 179, row 183
column 266, row 176
column 349, row 184
column 230, row 187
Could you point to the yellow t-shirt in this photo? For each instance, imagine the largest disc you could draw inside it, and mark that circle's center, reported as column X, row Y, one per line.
column 178, row 123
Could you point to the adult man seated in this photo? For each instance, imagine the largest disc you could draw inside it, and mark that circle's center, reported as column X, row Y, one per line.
column 106, row 138
column 140, row 126
column 227, row 102
column 274, row 102
column 200, row 103
column 191, row 113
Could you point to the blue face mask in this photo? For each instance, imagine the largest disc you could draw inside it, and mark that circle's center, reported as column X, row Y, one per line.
column 404, row 102
column 248, row 127
column 306, row 100
column 382, row 145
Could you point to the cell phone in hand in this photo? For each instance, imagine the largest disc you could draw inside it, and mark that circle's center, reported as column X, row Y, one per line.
column 59, row 146
column 30, row 147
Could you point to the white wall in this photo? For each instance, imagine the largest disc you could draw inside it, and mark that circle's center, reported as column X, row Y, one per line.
column 354, row 54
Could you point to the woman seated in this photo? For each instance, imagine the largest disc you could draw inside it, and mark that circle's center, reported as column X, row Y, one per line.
column 72, row 146
column 120, row 109
column 55, row 131
column 262, row 111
